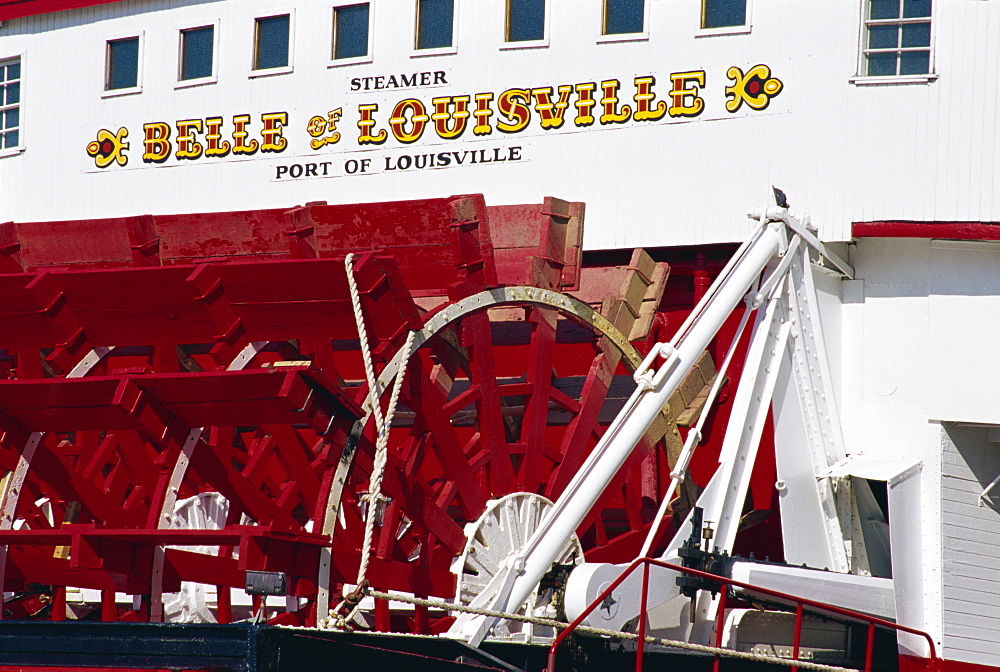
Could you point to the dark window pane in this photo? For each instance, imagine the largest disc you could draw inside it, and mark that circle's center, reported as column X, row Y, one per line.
column 917, row 35
column 915, row 63
column 10, row 139
column 915, row 8
column 722, row 13
column 884, row 9
column 196, row 52
column 881, row 65
column 14, row 71
column 435, row 19
column 350, row 31
column 272, row 43
column 10, row 118
column 123, row 64
column 883, row 37
column 623, row 16
column 13, row 93
column 525, row 20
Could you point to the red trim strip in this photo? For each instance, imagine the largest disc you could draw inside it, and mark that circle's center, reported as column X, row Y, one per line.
column 16, row 9
column 949, row 230
column 913, row 664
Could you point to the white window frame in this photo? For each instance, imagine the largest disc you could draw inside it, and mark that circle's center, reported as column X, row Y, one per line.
column 19, row 147
column 357, row 60
column 439, row 51
column 745, row 29
column 526, row 44
column 863, row 79
column 623, row 37
column 199, row 81
column 131, row 90
column 281, row 69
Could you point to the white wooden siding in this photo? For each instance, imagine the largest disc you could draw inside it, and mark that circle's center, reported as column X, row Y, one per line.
column 971, row 547
column 842, row 152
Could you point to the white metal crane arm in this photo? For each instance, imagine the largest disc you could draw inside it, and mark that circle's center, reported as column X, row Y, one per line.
column 787, row 352
column 628, row 428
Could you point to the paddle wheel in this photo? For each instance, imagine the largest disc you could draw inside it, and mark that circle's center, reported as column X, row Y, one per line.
column 186, row 403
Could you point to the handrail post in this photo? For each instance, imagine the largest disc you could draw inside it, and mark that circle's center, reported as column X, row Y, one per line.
column 640, row 645
column 869, row 646
column 593, row 605
column 725, row 585
column 797, row 635
column 720, row 621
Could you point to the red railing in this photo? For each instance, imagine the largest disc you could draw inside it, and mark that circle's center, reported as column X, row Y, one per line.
column 800, row 603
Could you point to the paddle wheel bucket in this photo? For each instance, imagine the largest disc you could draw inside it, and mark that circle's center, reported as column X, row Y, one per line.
column 185, row 402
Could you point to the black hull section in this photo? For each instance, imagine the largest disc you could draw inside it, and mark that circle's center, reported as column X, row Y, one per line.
column 262, row 648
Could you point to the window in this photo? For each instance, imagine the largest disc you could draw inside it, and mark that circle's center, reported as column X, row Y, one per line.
column 122, row 64
column 197, row 51
column 350, row 31
column 525, row 20
column 10, row 103
column 623, row 16
column 435, row 23
column 271, row 43
column 723, row 13
column 897, row 38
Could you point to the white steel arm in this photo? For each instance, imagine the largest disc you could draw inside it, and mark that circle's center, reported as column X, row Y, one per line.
column 523, row 570
column 786, row 352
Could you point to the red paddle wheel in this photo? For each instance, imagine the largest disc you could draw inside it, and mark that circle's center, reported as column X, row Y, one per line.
column 186, row 401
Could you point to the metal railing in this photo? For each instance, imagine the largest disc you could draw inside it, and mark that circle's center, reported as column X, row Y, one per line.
column 801, row 604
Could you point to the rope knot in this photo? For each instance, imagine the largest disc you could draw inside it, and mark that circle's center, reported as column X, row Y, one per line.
column 375, row 498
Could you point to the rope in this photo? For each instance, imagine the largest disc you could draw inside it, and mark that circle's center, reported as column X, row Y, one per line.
column 700, row 648
column 374, row 392
column 374, row 496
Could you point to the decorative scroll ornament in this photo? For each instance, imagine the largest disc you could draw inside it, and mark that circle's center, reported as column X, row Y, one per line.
column 755, row 88
column 108, row 147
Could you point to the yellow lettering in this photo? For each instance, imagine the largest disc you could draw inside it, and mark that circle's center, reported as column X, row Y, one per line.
column 442, row 115
column 241, row 146
column 612, row 115
column 366, row 125
column 513, row 104
column 482, row 113
column 187, row 147
column 271, row 140
column 585, row 104
column 318, row 126
column 551, row 114
column 686, row 101
column 644, row 97
column 418, row 119
column 157, row 142
column 213, row 135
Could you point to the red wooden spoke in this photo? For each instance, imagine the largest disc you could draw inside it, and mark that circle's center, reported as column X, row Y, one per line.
column 502, row 400
column 531, row 477
column 489, row 405
column 426, row 400
column 583, row 427
column 423, row 511
column 454, row 401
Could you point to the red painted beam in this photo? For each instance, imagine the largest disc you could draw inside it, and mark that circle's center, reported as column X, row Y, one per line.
column 946, row 230
column 229, row 398
column 229, row 536
column 15, row 9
